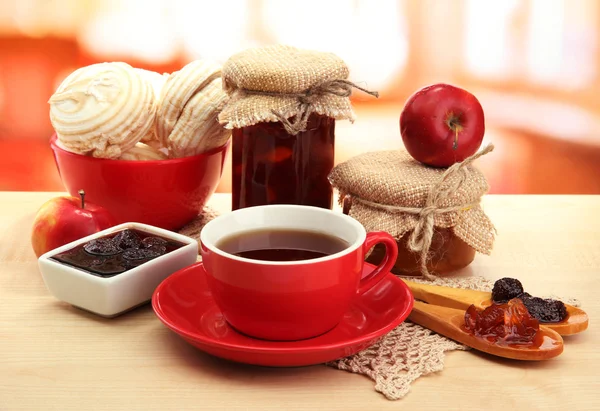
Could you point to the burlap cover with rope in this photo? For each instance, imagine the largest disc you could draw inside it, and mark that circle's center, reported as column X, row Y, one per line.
column 392, row 192
column 286, row 84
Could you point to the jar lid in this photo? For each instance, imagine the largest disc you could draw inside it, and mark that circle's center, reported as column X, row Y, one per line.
column 276, row 83
column 392, row 192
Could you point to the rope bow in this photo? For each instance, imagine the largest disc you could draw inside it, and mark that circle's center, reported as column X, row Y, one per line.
column 306, row 100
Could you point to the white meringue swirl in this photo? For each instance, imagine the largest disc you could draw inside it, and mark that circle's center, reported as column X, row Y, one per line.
column 103, row 109
column 177, row 91
column 198, row 130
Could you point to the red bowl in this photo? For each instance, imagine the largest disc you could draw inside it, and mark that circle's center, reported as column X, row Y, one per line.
column 163, row 193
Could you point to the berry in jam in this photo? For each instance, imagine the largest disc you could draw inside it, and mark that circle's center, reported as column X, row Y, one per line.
column 506, row 289
column 545, row 310
column 127, row 239
column 102, row 247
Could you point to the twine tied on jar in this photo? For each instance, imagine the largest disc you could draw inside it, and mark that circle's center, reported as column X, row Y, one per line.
column 306, row 99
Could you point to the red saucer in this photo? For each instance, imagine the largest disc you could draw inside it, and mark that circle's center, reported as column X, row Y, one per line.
column 185, row 305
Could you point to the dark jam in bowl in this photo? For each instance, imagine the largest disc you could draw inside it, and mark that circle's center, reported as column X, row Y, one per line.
column 117, row 252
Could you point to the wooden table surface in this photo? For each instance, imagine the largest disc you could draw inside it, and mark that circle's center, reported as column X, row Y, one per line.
column 55, row 357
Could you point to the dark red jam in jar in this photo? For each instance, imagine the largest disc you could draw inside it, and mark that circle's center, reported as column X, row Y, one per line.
column 271, row 166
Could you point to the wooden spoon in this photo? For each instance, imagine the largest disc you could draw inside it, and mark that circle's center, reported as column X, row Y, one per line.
column 576, row 321
column 450, row 321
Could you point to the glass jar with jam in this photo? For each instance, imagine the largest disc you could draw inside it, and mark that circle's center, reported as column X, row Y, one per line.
column 282, row 108
column 271, row 166
column 437, row 211
column 447, row 254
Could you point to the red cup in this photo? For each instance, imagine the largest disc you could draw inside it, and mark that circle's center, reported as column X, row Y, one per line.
column 163, row 193
column 290, row 300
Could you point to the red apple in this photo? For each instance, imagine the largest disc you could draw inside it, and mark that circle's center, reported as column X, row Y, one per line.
column 64, row 219
column 442, row 125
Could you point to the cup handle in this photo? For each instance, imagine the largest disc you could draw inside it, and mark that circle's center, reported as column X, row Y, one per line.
column 391, row 254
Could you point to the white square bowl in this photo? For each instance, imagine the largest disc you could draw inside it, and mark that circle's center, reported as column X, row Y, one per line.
column 112, row 296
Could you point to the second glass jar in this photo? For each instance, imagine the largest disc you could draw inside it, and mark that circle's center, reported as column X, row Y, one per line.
column 447, row 254
column 271, row 166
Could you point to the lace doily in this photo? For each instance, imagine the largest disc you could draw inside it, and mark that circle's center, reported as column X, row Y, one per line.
column 409, row 351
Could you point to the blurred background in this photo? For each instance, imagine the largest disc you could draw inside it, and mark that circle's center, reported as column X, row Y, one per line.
column 533, row 64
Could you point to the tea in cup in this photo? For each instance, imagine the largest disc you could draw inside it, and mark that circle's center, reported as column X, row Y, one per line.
column 289, row 272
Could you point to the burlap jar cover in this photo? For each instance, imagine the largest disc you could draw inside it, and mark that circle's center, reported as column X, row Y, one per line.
column 392, row 192
column 286, row 84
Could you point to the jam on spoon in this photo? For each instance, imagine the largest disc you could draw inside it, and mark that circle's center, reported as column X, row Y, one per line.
column 508, row 323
